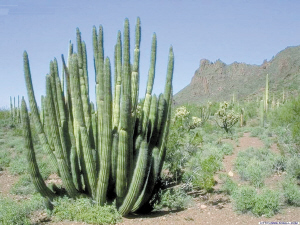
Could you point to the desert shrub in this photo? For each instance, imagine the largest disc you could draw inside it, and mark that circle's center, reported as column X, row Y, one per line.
column 23, row 186
column 4, row 159
column 227, row 148
column 244, row 198
column 288, row 115
column 174, row 199
column 228, row 185
column 201, row 168
column 18, row 165
column 83, row 210
column 182, row 144
column 267, row 203
column 293, row 166
column 291, row 191
column 257, row 131
column 12, row 212
column 255, row 165
column 250, row 110
column 5, row 119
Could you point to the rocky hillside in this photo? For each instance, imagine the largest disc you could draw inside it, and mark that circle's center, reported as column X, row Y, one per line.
column 218, row 81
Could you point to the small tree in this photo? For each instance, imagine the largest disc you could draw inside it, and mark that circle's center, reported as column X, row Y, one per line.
column 226, row 117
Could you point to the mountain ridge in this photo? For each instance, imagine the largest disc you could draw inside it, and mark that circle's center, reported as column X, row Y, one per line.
column 217, row 81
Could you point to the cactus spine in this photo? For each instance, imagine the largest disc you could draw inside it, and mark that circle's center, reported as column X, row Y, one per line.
column 115, row 149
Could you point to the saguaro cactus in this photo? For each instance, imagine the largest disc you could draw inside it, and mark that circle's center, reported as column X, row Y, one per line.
column 117, row 146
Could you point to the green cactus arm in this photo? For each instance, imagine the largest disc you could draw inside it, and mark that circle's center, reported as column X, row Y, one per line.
column 116, row 108
column 160, row 116
column 152, row 127
column 33, row 169
column 99, row 93
column 122, row 165
column 135, row 69
column 105, row 154
column 150, row 182
column 125, row 131
column 151, row 75
column 136, row 184
column 117, row 94
column 88, row 167
column 83, row 143
column 35, row 113
column 54, row 75
column 85, row 65
column 62, row 162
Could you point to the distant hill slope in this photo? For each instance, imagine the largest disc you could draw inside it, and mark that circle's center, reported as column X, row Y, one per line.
column 218, row 81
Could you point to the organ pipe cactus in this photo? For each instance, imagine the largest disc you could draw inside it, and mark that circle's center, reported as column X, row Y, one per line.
column 114, row 149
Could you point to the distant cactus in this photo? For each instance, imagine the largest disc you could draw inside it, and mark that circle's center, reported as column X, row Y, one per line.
column 114, row 149
column 226, row 118
column 15, row 110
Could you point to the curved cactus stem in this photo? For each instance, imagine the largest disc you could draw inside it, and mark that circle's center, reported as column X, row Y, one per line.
column 150, row 182
column 35, row 113
column 62, row 162
column 137, row 180
column 33, row 169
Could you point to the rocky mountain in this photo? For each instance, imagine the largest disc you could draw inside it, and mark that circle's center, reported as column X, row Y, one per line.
column 218, row 81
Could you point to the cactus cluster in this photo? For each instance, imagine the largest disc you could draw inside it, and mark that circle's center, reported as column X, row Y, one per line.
column 113, row 149
column 15, row 110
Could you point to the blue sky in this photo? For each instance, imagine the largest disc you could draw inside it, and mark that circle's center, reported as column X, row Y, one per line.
column 231, row 30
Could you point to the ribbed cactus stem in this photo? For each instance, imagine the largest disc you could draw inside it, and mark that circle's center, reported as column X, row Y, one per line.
column 62, row 163
column 105, row 154
column 135, row 69
column 35, row 113
column 151, row 75
column 116, row 108
column 125, row 131
column 33, row 169
column 100, row 92
column 137, row 180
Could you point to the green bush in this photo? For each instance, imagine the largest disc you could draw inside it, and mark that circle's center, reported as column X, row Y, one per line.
column 255, row 165
column 293, row 166
column 201, row 168
column 228, row 186
column 12, row 212
column 173, row 199
column 244, row 198
column 4, row 158
column 83, row 210
column 257, row 131
column 227, row 148
column 23, row 186
column 288, row 115
column 291, row 191
column 267, row 203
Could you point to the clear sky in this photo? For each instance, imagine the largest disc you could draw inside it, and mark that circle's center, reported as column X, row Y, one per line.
column 231, row 30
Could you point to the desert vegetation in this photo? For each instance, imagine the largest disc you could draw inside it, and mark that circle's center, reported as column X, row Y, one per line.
column 73, row 160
